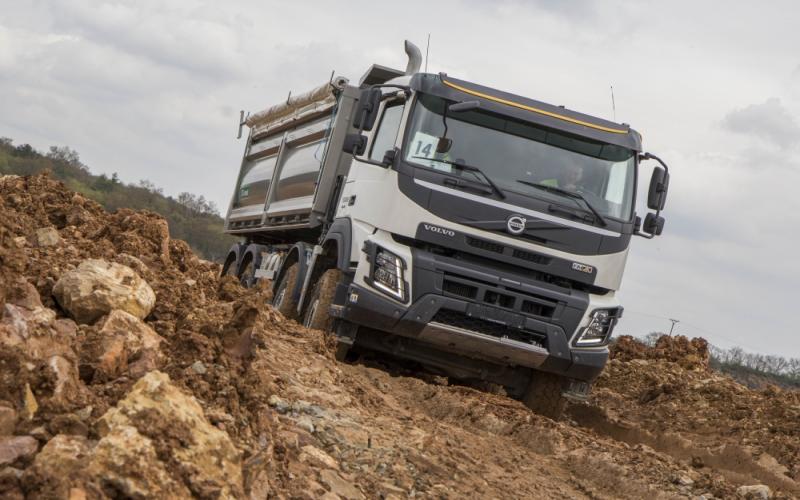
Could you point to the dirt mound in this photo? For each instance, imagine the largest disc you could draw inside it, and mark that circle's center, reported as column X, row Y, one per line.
column 691, row 354
column 261, row 409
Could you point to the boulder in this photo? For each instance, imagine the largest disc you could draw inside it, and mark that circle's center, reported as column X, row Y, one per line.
column 17, row 448
column 58, row 467
column 8, row 418
column 195, row 453
column 121, row 341
column 26, row 323
column 129, row 465
column 96, row 287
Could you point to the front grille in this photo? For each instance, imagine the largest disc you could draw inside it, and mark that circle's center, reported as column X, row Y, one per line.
column 460, row 320
column 498, row 296
column 485, row 245
column 460, row 289
column 537, row 309
column 503, row 260
column 531, row 257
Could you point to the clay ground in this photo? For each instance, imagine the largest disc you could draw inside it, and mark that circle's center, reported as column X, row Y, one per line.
column 659, row 423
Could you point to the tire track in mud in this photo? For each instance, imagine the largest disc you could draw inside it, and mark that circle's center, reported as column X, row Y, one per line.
column 505, row 433
column 736, row 463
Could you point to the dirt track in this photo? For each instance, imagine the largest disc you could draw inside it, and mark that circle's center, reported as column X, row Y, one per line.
column 659, row 424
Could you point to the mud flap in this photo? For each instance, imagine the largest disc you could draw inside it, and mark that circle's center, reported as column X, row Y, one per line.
column 346, row 333
column 577, row 390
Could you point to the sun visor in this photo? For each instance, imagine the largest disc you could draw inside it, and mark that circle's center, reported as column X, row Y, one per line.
column 529, row 110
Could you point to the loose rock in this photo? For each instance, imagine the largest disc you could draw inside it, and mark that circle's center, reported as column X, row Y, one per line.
column 16, row 448
column 47, row 237
column 97, row 287
column 155, row 407
column 8, row 418
column 756, row 491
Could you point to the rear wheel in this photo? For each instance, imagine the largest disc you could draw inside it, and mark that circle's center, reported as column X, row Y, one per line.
column 284, row 300
column 229, row 269
column 317, row 314
column 248, row 276
column 544, row 395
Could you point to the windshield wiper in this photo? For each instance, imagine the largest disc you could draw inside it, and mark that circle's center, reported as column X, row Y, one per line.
column 570, row 194
column 468, row 168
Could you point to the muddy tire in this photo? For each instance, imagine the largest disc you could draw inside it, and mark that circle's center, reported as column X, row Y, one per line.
column 284, row 301
column 544, row 395
column 317, row 312
column 248, row 276
column 229, row 269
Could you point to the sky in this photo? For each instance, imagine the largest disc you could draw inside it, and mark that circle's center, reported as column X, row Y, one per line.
column 152, row 90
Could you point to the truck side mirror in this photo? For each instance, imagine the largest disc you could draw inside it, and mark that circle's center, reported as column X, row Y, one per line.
column 659, row 185
column 355, row 144
column 653, row 224
column 367, row 110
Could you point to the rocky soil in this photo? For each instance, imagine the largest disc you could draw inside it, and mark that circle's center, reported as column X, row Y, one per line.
column 129, row 370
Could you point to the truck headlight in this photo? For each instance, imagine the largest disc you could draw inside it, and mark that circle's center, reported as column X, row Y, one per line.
column 601, row 325
column 388, row 273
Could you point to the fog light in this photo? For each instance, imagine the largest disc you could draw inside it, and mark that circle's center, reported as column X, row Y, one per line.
column 388, row 273
column 598, row 331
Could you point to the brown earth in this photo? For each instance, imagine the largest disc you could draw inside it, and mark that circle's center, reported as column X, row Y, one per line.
column 112, row 420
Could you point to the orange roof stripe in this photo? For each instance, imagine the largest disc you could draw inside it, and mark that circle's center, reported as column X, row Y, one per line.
column 535, row 110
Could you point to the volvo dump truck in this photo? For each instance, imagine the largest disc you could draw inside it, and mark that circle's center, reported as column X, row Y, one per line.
column 479, row 233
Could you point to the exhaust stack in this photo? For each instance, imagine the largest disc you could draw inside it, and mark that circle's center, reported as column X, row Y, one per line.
column 414, row 58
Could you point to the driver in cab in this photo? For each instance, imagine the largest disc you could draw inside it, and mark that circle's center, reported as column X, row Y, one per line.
column 568, row 177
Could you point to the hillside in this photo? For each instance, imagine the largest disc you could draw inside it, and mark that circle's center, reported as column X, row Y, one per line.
column 191, row 218
column 190, row 386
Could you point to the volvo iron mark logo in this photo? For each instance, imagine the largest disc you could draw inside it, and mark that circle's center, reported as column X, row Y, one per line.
column 516, row 224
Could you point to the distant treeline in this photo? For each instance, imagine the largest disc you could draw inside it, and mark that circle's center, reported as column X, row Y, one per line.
column 191, row 218
column 753, row 370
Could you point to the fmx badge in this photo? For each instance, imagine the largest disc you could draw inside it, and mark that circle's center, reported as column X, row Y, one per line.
column 516, row 224
column 582, row 268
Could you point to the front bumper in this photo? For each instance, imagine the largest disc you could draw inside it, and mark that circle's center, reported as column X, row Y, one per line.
column 474, row 330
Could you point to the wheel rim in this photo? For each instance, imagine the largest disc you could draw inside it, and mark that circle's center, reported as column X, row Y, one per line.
column 246, row 272
column 312, row 310
column 279, row 298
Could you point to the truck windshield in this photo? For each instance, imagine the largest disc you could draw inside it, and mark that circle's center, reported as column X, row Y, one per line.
column 520, row 156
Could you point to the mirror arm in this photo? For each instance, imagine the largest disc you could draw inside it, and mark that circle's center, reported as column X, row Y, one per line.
column 650, row 156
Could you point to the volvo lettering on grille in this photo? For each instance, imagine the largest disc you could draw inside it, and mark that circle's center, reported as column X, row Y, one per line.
column 440, row 230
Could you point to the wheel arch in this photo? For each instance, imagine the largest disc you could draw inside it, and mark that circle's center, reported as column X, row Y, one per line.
column 251, row 253
column 233, row 258
column 296, row 254
column 341, row 234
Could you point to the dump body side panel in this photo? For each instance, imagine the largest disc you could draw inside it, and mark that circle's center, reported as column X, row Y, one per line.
column 289, row 171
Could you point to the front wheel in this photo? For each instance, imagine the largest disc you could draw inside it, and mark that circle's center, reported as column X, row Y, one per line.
column 544, row 395
column 317, row 314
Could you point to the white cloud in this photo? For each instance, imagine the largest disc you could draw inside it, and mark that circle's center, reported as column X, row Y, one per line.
column 769, row 121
